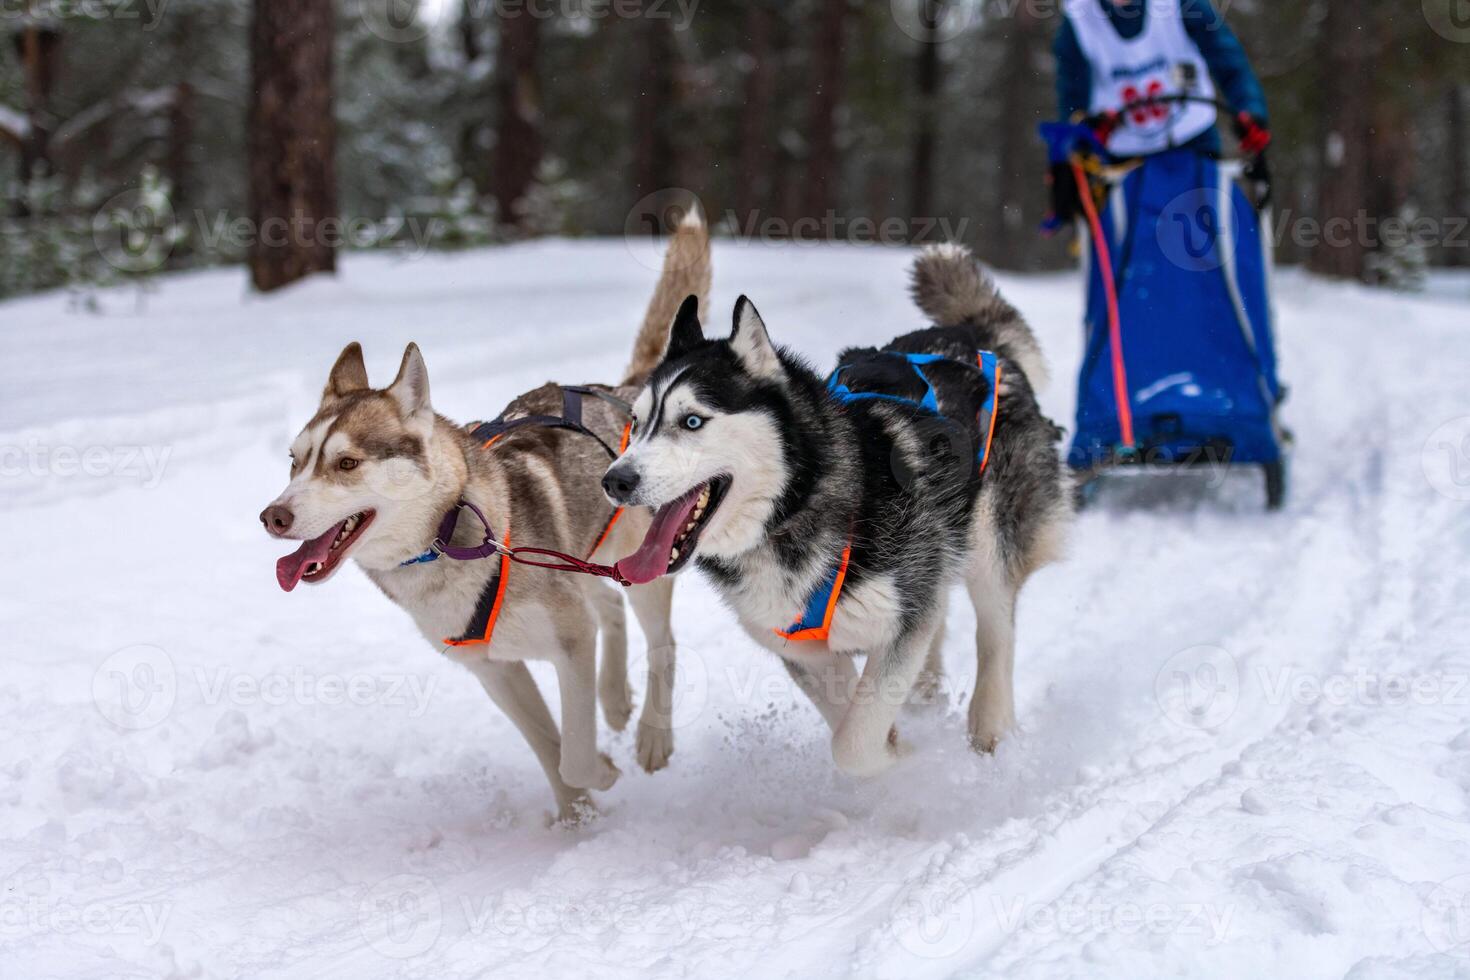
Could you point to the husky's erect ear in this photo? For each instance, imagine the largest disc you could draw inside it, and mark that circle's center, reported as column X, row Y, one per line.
column 686, row 333
column 751, row 342
column 411, row 388
column 349, row 374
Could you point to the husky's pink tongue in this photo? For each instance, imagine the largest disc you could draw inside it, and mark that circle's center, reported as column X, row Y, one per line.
column 290, row 568
column 652, row 558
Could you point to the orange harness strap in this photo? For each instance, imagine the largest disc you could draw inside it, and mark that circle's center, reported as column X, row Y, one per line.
column 607, row 528
column 482, row 624
column 823, row 603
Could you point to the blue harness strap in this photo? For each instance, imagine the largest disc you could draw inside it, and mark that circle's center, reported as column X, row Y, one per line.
column 929, row 403
column 816, row 618
column 986, row 361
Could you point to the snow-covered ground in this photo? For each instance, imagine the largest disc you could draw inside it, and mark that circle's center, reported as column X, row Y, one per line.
column 1244, row 743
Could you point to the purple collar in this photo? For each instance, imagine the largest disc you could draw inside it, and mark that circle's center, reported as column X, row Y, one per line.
column 441, row 546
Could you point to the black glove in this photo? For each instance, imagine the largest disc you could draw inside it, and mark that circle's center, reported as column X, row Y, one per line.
column 1258, row 175
column 1065, row 204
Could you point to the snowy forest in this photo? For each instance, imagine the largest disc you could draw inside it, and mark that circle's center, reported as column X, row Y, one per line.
column 143, row 135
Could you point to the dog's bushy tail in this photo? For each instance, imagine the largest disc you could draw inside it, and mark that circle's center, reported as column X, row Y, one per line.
column 686, row 273
column 952, row 290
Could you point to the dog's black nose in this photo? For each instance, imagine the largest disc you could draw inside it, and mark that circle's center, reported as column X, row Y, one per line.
column 620, row 482
column 277, row 519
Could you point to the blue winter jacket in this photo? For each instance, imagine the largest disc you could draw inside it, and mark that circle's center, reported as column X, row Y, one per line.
column 1206, row 27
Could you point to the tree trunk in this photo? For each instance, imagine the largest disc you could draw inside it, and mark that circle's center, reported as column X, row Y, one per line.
column 1459, row 192
column 823, row 164
column 653, row 106
column 292, row 142
column 472, row 144
column 926, row 110
column 1019, row 188
column 1346, row 99
column 755, row 179
column 518, row 143
column 38, row 48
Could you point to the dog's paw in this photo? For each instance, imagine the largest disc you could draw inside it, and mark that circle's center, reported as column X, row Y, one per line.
column 988, row 728
column 655, row 745
column 600, row 775
column 617, row 704
column 985, row 741
column 578, row 811
column 863, row 761
column 928, row 694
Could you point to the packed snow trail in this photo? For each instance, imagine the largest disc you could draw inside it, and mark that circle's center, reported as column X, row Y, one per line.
column 1244, row 743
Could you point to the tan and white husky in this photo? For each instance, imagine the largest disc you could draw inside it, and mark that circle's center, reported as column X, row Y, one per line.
column 375, row 471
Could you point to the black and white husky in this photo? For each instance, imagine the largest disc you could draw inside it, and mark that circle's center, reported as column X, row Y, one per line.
column 833, row 519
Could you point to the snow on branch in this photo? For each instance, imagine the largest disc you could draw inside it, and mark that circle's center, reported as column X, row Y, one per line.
column 14, row 125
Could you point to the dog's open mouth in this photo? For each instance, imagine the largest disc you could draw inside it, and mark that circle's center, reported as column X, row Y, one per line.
column 316, row 559
column 674, row 533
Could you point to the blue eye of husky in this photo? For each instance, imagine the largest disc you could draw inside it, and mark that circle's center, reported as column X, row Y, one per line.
column 693, row 422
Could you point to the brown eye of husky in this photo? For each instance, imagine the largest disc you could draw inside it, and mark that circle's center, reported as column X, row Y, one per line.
column 347, row 463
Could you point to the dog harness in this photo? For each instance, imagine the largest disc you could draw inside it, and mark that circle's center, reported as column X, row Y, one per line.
column 816, row 619
column 481, row 627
